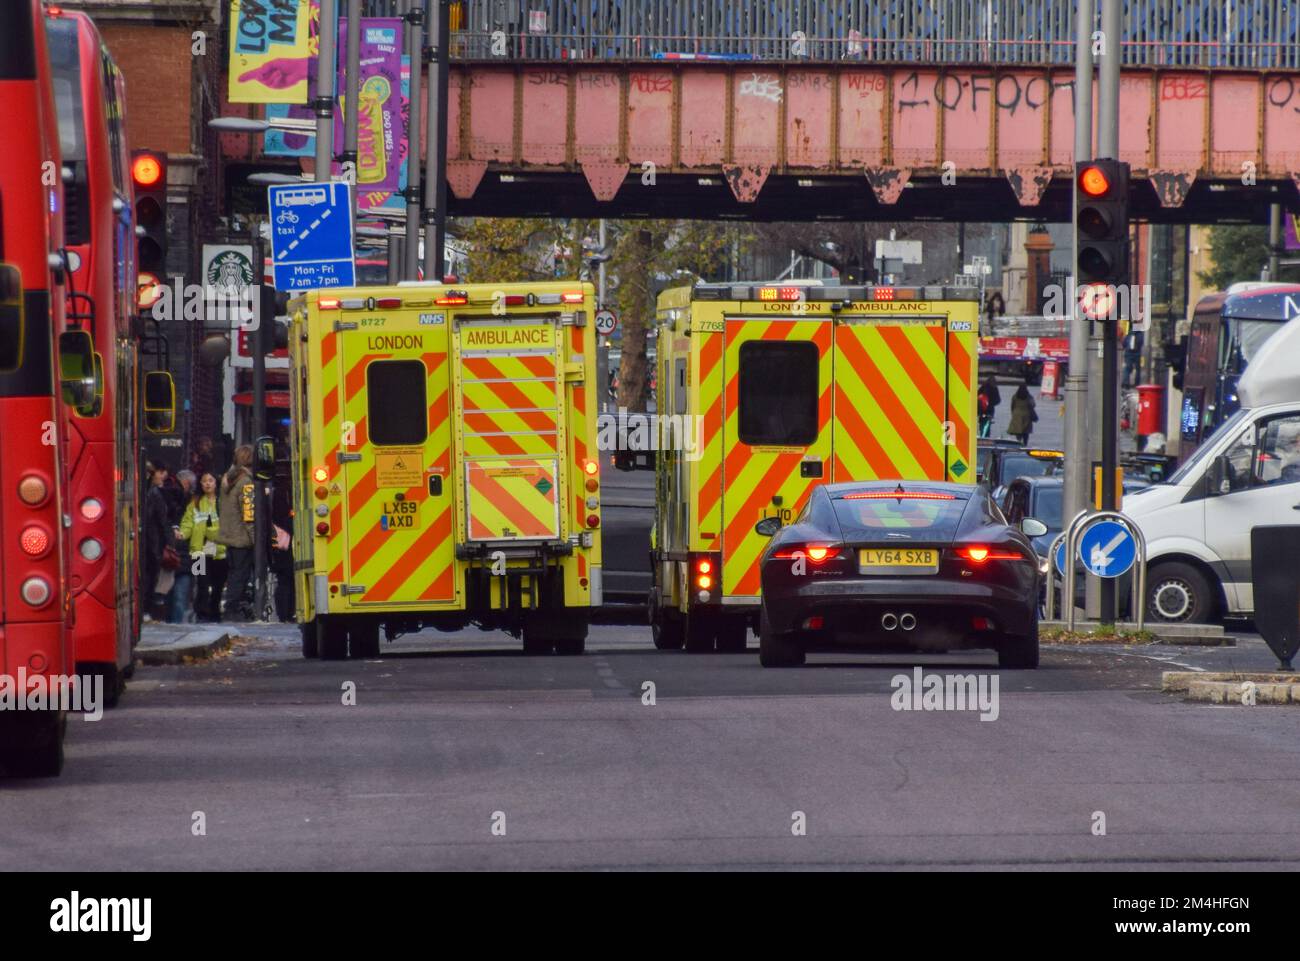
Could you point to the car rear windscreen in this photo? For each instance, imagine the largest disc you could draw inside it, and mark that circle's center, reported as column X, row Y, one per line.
column 1024, row 465
column 924, row 517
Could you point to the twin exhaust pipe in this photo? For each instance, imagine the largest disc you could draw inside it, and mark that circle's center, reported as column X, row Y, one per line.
column 891, row 621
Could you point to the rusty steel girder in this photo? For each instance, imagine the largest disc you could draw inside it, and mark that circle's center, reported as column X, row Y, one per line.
column 747, row 121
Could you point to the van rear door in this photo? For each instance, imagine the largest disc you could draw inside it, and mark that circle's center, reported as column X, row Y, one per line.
column 509, row 408
column 776, row 434
column 903, row 401
column 395, row 453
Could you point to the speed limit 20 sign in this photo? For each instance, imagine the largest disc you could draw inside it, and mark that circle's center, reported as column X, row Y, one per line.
column 606, row 321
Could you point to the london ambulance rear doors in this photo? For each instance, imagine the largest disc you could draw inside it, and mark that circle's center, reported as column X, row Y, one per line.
column 396, row 460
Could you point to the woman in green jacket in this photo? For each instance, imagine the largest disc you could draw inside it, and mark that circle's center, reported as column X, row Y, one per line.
column 200, row 527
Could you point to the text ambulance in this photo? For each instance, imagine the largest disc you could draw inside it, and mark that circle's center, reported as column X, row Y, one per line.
column 794, row 385
column 444, row 451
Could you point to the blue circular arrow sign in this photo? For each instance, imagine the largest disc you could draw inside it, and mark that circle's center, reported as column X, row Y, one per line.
column 1058, row 556
column 1107, row 549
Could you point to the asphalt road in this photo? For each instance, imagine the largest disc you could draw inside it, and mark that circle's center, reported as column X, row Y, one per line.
column 453, row 734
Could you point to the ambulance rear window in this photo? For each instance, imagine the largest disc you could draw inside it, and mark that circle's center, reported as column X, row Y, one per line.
column 396, row 406
column 778, row 393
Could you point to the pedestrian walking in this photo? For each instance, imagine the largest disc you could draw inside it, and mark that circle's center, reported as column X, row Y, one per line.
column 1023, row 415
column 236, row 504
column 200, row 527
column 989, row 398
column 156, row 535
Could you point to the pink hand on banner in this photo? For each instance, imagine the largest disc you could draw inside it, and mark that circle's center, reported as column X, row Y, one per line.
column 277, row 74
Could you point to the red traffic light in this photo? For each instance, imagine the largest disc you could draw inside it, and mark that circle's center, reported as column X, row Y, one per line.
column 146, row 170
column 1094, row 182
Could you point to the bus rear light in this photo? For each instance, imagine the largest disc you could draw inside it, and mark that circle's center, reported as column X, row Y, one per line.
column 92, row 509
column 593, row 520
column 321, row 475
column 323, row 528
column 36, row 591
column 32, row 490
column 91, row 549
column 35, row 541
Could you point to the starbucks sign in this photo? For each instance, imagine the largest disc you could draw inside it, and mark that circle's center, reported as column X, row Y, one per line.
column 227, row 268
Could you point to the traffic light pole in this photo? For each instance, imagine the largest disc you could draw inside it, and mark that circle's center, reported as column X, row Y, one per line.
column 1108, row 146
column 325, row 76
column 414, row 12
column 256, row 342
column 435, row 170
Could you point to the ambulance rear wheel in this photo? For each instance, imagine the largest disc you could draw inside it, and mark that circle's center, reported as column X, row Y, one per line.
column 331, row 637
column 537, row 641
column 665, row 625
column 701, row 629
column 32, row 745
column 308, row 634
column 363, row 640
column 733, row 635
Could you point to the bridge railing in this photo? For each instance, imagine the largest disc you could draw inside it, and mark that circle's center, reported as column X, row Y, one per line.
column 1258, row 34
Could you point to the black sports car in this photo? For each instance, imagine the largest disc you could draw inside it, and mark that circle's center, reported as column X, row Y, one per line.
column 887, row 566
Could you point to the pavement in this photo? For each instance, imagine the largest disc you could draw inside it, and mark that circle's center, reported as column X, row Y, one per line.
column 456, row 751
column 162, row 643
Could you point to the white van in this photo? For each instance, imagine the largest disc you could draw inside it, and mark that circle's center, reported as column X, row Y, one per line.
column 1247, row 474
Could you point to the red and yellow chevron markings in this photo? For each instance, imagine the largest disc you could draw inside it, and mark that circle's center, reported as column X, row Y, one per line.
column 751, row 477
column 512, row 499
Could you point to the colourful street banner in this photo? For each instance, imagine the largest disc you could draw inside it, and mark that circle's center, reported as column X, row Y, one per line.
column 269, row 51
column 1292, row 222
column 384, row 102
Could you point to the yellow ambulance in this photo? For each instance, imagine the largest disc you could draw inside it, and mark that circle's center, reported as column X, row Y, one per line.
column 774, row 389
column 445, row 465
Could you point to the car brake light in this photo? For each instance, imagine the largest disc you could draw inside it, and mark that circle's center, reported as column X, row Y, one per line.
column 32, row 490
column 978, row 553
column 36, row 591
column 898, row 495
column 35, row 541
column 817, row 553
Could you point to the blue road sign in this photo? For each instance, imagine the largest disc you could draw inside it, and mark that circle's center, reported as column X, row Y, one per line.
column 1107, row 549
column 311, row 236
column 1059, row 557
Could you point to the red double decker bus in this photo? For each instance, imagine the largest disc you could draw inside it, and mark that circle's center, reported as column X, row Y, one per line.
column 99, row 234
column 38, row 358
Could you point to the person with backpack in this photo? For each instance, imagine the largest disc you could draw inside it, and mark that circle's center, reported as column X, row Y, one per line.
column 989, row 398
column 1023, row 415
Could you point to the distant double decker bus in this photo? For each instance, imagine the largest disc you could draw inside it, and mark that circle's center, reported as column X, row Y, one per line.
column 99, row 233
column 37, row 359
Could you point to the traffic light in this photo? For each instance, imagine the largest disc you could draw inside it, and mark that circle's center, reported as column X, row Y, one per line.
column 149, row 176
column 1102, row 190
column 271, row 335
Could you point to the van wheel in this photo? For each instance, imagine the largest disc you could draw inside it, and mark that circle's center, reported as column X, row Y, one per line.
column 699, row 632
column 733, row 635
column 363, row 640
column 33, row 747
column 665, row 626
column 308, row 633
column 571, row 639
column 331, row 637
column 777, row 650
column 1179, row 594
